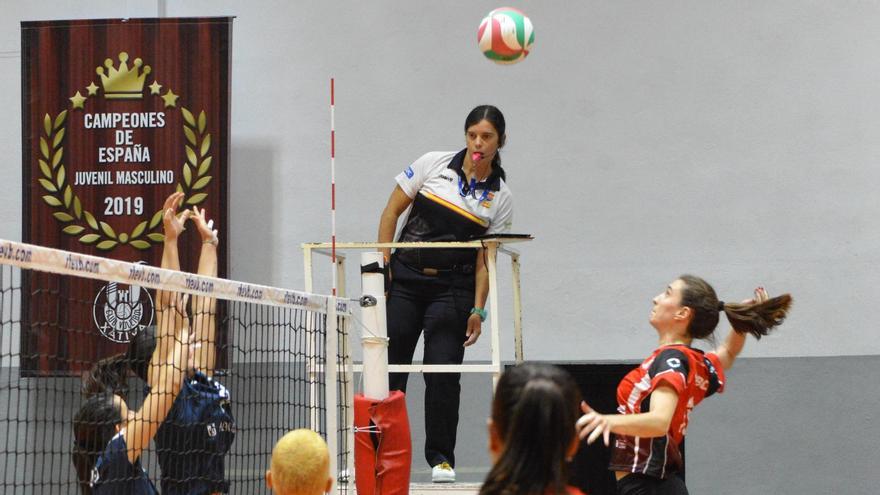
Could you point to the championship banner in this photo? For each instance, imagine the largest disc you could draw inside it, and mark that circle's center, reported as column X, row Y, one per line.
column 116, row 115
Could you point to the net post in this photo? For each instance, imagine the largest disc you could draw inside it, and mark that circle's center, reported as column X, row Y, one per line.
column 495, row 339
column 307, row 262
column 375, row 340
column 331, row 361
column 311, row 348
column 340, row 276
column 517, row 309
column 347, row 402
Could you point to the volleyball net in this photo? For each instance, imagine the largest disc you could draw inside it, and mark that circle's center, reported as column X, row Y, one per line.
column 62, row 312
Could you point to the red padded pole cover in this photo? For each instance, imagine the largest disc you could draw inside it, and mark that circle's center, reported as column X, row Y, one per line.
column 385, row 468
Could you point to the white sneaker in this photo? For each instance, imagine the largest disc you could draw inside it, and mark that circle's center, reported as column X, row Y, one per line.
column 443, row 473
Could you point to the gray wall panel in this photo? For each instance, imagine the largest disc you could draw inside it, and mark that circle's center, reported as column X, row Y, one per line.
column 736, row 140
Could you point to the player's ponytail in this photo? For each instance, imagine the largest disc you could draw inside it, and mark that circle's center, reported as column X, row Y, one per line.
column 534, row 413
column 755, row 318
column 94, row 425
column 140, row 351
column 107, row 375
column 758, row 318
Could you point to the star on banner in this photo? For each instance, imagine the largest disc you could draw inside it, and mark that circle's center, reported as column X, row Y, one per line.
column 77, row 100
column 93, row 89
column 170, row 99
column 155, row 87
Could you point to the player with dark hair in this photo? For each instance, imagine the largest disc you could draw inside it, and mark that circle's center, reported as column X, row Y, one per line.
column 655, row 399
column 108, row 438
column 199, row 430
column 532, row 432
column 197, row 434
column 453, row 196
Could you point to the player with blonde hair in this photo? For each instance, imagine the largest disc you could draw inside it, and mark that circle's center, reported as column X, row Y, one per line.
column 300, row 465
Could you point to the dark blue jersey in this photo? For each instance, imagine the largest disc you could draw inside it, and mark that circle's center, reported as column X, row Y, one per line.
column 195, row 437
column 114, row 475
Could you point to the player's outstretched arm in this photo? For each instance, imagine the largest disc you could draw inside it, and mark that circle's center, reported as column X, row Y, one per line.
column 173, row 224
column 166, row 372
column 167, row 302
column 733, row 344
column 654, row 423
column 204, row 343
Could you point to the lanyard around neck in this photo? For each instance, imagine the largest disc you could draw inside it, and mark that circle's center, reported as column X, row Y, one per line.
column 466, row 190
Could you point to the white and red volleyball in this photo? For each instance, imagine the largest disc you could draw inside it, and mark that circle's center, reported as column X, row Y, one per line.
column 506, row 35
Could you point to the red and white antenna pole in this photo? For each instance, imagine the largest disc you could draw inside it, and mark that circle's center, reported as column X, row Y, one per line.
column 333, row 186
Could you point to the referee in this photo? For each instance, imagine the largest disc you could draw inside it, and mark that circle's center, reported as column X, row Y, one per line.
column 453, row 196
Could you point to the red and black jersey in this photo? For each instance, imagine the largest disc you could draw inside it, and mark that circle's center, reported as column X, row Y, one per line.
column 694, row 375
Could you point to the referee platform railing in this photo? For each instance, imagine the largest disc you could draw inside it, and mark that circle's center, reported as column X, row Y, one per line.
column 492, row 245
column 347, row 368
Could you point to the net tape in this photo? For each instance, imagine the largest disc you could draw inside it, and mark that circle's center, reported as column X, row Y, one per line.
column 62, row 262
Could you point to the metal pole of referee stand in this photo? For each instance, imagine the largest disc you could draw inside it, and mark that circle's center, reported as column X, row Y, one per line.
column 495, row 342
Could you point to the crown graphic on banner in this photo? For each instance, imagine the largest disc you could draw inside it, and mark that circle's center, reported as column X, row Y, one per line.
column 123, row 83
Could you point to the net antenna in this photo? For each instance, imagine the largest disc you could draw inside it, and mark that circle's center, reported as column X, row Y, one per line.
column 333, row 185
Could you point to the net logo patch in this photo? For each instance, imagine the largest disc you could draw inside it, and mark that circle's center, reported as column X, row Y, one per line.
column 409, row 172
column 120, row 311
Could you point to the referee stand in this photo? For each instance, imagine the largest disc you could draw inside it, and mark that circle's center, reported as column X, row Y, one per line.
column 346, row 368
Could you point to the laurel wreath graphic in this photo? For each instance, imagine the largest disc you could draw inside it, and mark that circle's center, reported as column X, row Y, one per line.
column 81, row 222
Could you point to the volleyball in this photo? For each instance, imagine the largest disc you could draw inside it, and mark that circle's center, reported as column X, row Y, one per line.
column 505, row 35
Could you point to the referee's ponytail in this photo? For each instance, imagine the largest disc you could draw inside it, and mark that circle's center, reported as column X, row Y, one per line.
column 494, row 116
column 533, row 416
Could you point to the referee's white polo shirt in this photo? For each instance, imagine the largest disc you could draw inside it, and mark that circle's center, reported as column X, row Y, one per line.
column 432, row 177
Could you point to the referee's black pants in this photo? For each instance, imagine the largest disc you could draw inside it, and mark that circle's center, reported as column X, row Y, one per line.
column 441, row 306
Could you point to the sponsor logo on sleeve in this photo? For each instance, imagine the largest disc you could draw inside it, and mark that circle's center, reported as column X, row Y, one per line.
column 409, row 172
column 674, row 362
column 711, row 366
